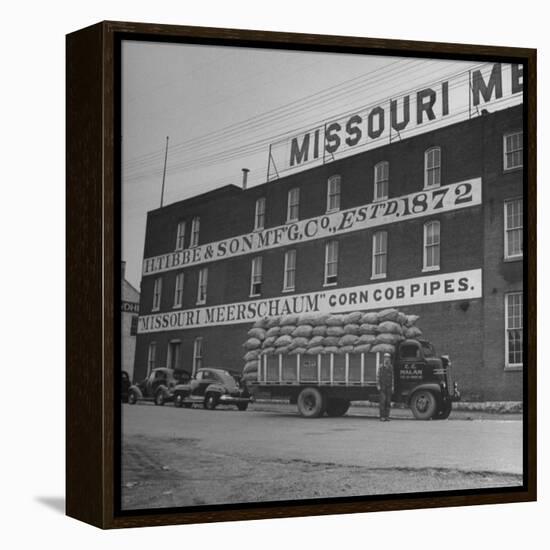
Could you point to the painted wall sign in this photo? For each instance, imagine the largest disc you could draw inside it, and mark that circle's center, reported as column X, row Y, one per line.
column 129, row 307
column 460, row 97
column 442, row 287
column 407, row 207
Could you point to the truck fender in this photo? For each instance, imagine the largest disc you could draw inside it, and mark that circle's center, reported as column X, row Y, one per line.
column 434, row 388
column 135, row 388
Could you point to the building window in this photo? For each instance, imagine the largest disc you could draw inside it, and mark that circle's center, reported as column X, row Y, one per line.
column 289, row 280
column 178, row 292
column 259, row 214
column 513, row 229
column 152, row 357
column 197, row 354
column 293, row 206
column 173, row 355
column 514, row 329
column 195, row 229
column 157, row 293
column 256, row 276
column 381, row 180
column 432, row 167
column 432, row 243
column 333, row 193
column 203, row 283
column 379, row 254
column 134, row 325
column 180, row 237
column 513, row 151
column 331, row 263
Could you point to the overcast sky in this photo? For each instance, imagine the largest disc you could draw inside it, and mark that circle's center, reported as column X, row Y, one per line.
column 222, row 106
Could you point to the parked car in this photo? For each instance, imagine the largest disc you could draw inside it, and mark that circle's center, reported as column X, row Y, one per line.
column 124, row 386
column 158, row 386
column 212, row 387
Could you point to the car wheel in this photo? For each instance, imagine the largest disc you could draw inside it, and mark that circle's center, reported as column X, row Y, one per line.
column 178, row 400
column 132, row 397
column 423, row 404
column 311, row 403
column 337, row 407
column 160, row 398
column 242, row 406
column 210, row 401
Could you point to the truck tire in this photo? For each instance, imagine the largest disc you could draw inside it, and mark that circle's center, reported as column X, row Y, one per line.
column 311, row 403
column 337, row 407
column 423, row 404
column 210, row 401
column 444, row 411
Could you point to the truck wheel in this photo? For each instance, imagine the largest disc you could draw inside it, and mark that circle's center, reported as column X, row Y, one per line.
column 132, row 397
column 444, row 411
column 210, row 401
column 337, row 407
column 423, row 404
column 311, row 403
column 160, row 398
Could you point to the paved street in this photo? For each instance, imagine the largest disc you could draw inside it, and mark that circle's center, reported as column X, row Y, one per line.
column 178, row 457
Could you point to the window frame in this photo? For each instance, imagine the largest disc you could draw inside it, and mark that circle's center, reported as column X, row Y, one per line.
column 326, row 282
column 257, row 260
column 286, row 286
column 505, row 152
column 507, row 365
column 179, row 276
column 152, row 356
column 336, row 178
column 377, row 181
column 425, row 267
column 202, row 282
column 176, row 342
column 428, row 170
column 375, row 254
column 259, row 215
column 180, row 235
column 290, row 205
column 198, row 340
column 513, row 257
column 195, row 232
column 157, row 294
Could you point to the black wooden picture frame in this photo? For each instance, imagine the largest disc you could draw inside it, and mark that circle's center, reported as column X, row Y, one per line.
column 93, row 437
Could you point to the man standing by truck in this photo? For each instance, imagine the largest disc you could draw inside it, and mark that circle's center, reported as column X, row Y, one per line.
column 384, row 383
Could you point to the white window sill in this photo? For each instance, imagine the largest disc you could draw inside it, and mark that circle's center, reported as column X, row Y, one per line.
column 379, row 276
column 330, row 284
column 293, row 221
column 332, row 211
column 512, row 368
column 428, row 187
column 380, row 199
column 201, row 303
column 254, row 295
column 257, row 229
column 289, row 289
column 513, row 258
column 177, row 306
column 432, row 268
column 513, row 169
column 155, row 309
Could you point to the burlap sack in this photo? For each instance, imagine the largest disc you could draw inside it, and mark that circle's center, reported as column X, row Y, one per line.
column 284, row 340
column 391, row 327
column 366, row 339
column 273, row 331
column 367, row 328
column 388, row 338
column 319, row 319
column 363, row 348
column 258, row 333
column 287, row 329
column 348, row 340
column 401, row 318
column 319, row 330
column 260, row 323
column 352, row 328
column 370, row 318
column 330, row 349
column 252, row 343
column 331, row 340
column 297, row 351
column 346, row 349
column 273, row 321
column 315, row 350
column 282, row 350
column 383, row 348
column 335, row 331
column 411, row 320
column 315, row 341
column 335, row 321
column 289, row 320
column 413, row 332
column 269, row 341
column 390, row 314
column 250, row 367
column 268, row 351
column 303, row 331
column 354, row 317
column 308, row 319
column 299, row 342
column 252, row 355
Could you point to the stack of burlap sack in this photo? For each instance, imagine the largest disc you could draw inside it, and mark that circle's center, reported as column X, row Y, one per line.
column 315, row 333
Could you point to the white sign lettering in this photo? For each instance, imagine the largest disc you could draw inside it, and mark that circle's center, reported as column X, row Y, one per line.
column 444, row 287
column 407, row 207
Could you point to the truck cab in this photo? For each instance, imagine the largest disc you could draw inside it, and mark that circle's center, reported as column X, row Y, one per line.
column 423, row 380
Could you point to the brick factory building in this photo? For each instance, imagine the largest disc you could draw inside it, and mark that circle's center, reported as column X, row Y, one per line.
column 431, row 224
